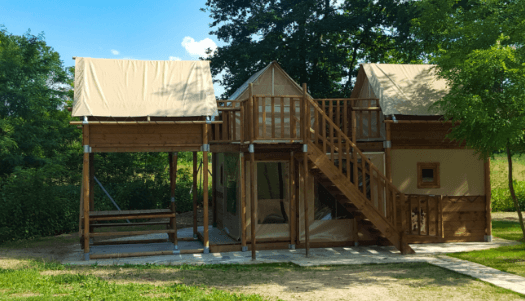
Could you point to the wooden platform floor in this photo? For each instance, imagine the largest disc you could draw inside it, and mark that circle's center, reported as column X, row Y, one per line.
column 218, row 237
column 151, row 247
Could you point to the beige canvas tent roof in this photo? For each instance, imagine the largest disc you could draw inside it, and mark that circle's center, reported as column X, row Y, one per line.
column 401, row 88
column 271, row 80
column 133, row 88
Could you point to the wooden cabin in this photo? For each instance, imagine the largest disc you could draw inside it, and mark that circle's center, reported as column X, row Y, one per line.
column 290, row 171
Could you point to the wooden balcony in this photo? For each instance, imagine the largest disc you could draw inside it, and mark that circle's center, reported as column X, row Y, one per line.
column 278, row 119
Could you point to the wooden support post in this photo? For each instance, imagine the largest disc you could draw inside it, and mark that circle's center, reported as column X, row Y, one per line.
column 253, row 195
column 214, row 187
column 354, row 128
column 305, row 199
column 194, row 189
column 488, row 195
column 205, row 190
column 305, row 117
column 388, row 149
column 252, row 115
column 86, row 189
column 243, row 203
column 91, row 185
column 172, row 158
column 292, row 202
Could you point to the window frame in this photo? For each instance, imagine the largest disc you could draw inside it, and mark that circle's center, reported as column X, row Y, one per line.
column 436, row 183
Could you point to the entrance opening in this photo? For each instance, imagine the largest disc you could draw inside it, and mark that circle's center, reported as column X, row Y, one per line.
column 272, row 192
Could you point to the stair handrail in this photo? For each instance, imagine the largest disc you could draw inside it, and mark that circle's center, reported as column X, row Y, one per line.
column 341, row 134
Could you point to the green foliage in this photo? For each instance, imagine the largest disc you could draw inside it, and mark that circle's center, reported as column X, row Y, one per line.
column 502, row 201
column 480, row 50
column 317, row 42
column 31, row 206
column 34, row 125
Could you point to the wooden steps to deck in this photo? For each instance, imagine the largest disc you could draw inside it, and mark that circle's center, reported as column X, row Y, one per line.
column 354, row 200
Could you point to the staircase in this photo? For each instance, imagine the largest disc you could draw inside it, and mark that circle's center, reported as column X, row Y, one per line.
column 352, row 179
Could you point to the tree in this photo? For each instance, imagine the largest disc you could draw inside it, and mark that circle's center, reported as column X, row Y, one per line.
column 34, row 85
column 318, row 42
column 480, row 50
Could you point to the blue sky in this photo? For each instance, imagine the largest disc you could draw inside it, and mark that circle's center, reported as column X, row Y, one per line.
column 143, row 30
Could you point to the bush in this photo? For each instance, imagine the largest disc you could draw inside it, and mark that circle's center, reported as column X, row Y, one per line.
column 31, row 207
column 502, row 201
column 33, row 203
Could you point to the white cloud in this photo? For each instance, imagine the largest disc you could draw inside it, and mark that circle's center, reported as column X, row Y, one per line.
column 115, row 52
column 175, row 58
column 198, row 48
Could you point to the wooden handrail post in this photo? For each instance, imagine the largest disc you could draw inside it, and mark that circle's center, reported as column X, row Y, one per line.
column 252, row 113
column 305, row 116
column 241, row 123
column 388, row 154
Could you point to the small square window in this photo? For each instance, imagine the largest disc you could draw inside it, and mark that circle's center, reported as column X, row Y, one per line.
column 428, row 175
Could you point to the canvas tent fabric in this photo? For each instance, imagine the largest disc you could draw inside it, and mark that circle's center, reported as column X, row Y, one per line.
column 272, row 80
column 134, row 88
column 405, row 88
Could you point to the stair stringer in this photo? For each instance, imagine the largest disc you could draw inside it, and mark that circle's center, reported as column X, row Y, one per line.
column 357, row 198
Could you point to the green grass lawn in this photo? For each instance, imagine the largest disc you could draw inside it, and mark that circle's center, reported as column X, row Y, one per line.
column 41, row 281
column 36, row 280
column 509, row 258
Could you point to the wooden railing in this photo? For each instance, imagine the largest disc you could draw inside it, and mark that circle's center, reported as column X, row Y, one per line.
column 277, row 117
column 424, row 214
column 364, row 111
column 351, row 162
column 231, row 113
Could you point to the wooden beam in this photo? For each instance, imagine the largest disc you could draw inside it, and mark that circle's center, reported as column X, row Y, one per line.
column 172, row 157
column 126, row 233
column 243, row 200
column 134, row 216
column 143, row 122
column 488, row 195
column 214, row 188
column 252, row 115
column 128, row 242
column 85, row 183
column 253, row 215
column 91, row 185
column 305, row 199
column 194, row 189
column 293, row 198
column 107, row 225
column 388, row 154
column 205, row 191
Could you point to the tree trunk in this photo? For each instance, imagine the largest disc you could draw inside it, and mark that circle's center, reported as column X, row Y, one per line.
column 513, row 194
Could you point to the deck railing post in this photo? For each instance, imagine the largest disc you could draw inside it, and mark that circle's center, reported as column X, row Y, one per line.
column 252, row 114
